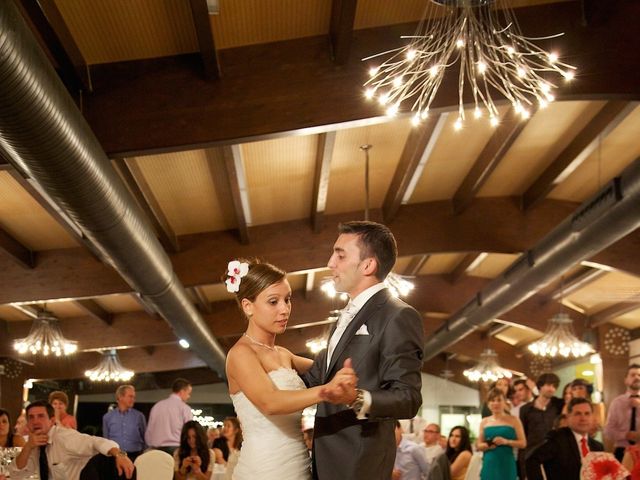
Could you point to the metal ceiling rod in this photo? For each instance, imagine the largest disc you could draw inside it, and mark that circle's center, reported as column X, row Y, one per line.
column 45, row 136
column 611, row 214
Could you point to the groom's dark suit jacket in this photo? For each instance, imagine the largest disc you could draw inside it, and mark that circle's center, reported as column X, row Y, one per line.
column 388, row 363
column 559, row 455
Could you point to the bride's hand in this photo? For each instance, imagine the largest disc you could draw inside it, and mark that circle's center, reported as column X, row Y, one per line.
column 342, row 387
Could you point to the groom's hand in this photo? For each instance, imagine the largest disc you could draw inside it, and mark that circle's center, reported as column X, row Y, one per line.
column 342, row 387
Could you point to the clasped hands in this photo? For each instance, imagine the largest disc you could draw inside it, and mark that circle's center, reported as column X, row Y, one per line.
column 194, row 461
column 342, row 387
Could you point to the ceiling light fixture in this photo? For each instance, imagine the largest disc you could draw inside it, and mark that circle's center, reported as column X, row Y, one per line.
column 109, row 369
column 45, row 338
column 494, row 58
column 487, row 369
column 559, row 339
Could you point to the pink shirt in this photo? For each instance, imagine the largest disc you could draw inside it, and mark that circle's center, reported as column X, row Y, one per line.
column 165, row 422
column 619, row 420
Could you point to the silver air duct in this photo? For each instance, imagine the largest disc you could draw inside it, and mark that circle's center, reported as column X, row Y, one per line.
column 44, row 135
column 607, row 217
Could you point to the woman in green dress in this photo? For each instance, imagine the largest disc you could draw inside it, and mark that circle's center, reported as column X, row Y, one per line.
column 499, row 434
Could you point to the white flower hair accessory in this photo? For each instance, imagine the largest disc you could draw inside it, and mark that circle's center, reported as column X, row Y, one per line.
column 235, row 271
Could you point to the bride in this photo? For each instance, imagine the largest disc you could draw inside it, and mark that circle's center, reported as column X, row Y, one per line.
column 267, row 393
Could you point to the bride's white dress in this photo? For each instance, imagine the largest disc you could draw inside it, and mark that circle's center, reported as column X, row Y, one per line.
column 272, row 446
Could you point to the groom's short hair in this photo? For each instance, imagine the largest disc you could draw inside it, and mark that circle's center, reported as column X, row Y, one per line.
column 375, row 240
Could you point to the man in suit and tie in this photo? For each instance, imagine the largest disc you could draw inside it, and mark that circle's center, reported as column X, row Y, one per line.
column 562, row 451
column 383, row 337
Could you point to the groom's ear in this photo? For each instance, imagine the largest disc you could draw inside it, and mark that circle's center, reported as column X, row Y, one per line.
column 369, row 266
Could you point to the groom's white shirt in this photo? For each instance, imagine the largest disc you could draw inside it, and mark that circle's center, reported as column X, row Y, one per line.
column 359, row 302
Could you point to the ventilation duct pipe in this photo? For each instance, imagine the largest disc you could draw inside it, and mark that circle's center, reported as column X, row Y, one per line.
column 44, row 135
column 607, row 217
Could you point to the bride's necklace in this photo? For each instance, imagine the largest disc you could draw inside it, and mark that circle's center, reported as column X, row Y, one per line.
column 253, row 340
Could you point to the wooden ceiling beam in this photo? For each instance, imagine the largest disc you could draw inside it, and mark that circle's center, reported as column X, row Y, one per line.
column 94, row 309
column 612, row 312
column 415, row 155
column 492, row 154
column 133, row 178
column 489, row 225
column 16, row 251
column 415, row 265
column 580, row 148
column 324, row 154
column 274, row 90
column 206, row 42
column 343, row 15
column 202, row 302
column 236, row 177
column 580, row 279
column 49, row 27
column 461, row 269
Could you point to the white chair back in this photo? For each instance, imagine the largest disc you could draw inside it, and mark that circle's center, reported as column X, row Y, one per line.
column 475, row 465
column 154, row 465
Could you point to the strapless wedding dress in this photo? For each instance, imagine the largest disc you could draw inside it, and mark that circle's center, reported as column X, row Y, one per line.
column 272, row 446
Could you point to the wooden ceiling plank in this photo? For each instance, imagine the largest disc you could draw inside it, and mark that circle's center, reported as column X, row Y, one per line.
column 492, row 154
column 580, row 279
column 65, row 222
column 15, row 250
column 206, row 42
column 202, row 302
column 274, row 90
column 415, row 155
column 343, row 15
column 415, row 264
column 234, row 166
column 324, row 154
column 95, row 310
column 461, row 268
column 612, row 312
column 130, row 172
column 581, row 147
column 46, row 19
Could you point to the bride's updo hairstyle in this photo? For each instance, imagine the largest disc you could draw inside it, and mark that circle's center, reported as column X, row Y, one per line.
column 259, row 276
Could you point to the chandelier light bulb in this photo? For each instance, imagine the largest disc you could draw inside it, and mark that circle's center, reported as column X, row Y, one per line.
column 483, row 38
column 316, row 345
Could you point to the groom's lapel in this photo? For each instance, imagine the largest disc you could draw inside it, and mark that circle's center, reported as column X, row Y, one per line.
column 369, row 310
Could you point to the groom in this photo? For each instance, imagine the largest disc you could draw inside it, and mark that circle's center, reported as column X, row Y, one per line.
column 383, row 337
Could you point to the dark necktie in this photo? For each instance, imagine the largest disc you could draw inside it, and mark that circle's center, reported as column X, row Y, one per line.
column 44, row 465
column 632, row 424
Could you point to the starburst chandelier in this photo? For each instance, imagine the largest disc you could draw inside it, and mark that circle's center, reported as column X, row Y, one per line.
column 45, row 338
column 559, row 339
column 109, row 369
column 494, row 58
column 487, row 369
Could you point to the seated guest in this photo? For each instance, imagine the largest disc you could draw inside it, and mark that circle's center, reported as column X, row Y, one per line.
column 562, row 451
column 59, row 401
column 431, row 436
column 410, row 464
column 20, row 428
column 7, row 438
column 580, row 388
column 193, row 458
column 459, row 452
column 124, row 424
column 58, row 453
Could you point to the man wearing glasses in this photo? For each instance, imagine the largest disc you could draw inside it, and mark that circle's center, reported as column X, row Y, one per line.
column 431, row 435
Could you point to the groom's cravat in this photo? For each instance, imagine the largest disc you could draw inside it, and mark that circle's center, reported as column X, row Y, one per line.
column 346, row 314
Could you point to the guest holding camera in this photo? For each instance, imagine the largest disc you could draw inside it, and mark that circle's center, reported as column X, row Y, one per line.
column 193, row 458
